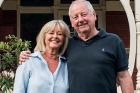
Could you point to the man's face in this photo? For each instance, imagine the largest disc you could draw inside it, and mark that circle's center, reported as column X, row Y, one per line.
column 81, row 18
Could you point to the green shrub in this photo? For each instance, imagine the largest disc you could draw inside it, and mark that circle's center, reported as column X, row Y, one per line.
column 9, row 60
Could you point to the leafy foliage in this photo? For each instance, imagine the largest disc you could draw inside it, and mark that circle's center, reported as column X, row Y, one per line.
column 9, row 60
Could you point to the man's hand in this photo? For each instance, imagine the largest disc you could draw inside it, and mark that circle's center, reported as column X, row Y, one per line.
column 24, row 55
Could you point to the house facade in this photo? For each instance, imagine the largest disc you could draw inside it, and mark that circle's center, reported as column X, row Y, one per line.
column 24, row 18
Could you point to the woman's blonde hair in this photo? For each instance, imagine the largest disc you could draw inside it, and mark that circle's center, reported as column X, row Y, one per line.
column 41, row 46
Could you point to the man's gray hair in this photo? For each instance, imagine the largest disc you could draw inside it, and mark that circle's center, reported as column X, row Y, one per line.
column 88, row 4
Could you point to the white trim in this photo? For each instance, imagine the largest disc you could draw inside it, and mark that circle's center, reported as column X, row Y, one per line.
column 137, row 16
column 132, row 27
column 1, row 1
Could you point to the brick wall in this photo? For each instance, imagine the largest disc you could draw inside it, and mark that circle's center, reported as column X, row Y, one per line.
column 8, row 23
column 0, row 15
column 116, row 22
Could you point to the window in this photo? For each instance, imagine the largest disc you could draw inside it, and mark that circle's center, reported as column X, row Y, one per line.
column 69, row 1
column 31, row 24
column 36, row 2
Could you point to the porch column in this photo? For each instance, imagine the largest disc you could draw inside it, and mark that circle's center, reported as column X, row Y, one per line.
column 132, row 28
column 137, row 15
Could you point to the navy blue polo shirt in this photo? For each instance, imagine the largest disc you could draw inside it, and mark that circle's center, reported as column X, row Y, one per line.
column 93, row 65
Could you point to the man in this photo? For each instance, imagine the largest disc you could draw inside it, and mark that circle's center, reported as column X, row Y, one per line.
column 95, row 58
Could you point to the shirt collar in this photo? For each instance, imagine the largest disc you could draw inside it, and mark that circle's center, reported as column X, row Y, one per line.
column 101, row 33
column 38, row 54
column 87, row 43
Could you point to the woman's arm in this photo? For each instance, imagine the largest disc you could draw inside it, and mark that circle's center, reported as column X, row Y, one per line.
column 22, row 78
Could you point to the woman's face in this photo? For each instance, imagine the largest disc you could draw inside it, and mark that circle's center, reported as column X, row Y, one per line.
column 54, row 39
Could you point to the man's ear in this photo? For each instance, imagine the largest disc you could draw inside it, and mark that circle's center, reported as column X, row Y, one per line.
column 71, row 24
column 94, row 14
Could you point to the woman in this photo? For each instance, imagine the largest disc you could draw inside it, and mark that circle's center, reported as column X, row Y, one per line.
column 45, row 71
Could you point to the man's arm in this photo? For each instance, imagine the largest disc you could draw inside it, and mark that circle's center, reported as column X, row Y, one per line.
column 24, row 55
column 125, row 82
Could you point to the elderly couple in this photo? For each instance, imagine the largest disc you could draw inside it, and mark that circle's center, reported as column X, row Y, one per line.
column 88, row 62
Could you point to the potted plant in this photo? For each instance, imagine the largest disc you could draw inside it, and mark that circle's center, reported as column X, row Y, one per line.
column 9, row 56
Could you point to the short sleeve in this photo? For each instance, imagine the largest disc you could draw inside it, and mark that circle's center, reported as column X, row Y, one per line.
column 122, row 58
